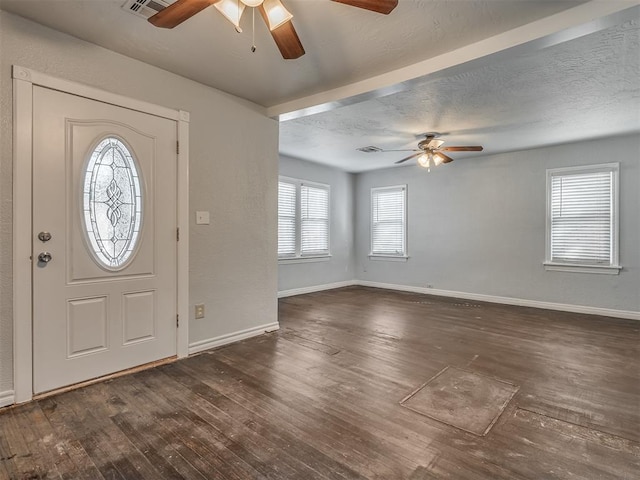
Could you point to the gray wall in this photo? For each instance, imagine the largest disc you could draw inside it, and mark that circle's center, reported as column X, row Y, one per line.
column 233, row 265
column 340, row 267
column 478, row 226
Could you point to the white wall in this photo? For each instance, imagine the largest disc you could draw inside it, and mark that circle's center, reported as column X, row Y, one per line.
column 340, row 267
column 233, row 174
column 477, row 226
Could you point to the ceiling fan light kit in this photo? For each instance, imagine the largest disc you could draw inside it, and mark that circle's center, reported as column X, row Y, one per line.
column 232, row 11
column 275, row 15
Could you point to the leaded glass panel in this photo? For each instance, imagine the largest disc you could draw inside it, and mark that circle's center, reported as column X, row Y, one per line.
column 112, row 203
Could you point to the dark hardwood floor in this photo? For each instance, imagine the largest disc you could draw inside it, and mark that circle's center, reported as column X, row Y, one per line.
column 319, row 399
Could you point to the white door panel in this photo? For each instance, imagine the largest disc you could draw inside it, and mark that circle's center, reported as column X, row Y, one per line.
column 92, row 317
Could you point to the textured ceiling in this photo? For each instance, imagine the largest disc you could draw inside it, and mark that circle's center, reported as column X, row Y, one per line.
column 584, row 88
column 343, row 44
column 545, row 87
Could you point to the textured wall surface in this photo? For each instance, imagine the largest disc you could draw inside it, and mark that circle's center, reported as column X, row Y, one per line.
column 478, row 226
column 340, row 267
column 233, row 174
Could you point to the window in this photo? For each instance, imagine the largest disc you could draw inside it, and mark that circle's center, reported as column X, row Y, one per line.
column 582, row 219
column 286, row 219
column 303, row 219
column 112, row 203
column 388, row 221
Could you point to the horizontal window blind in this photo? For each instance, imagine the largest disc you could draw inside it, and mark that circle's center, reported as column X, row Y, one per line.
column 286, row 219
column 388, row 221
column 314, row 214
column 582, row 218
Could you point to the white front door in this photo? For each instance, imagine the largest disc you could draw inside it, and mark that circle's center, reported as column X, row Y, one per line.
column 104, row 238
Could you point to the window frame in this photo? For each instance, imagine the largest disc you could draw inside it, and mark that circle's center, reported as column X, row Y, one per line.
column 299, row 256
column 613, row 268
column 400, row 257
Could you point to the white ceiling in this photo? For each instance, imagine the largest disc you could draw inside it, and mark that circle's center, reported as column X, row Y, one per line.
column 538, row 87
column 343, row 43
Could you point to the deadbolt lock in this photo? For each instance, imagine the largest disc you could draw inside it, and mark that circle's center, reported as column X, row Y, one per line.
column 44, row 236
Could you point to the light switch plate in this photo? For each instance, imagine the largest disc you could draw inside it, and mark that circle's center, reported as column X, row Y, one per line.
column 202, row 218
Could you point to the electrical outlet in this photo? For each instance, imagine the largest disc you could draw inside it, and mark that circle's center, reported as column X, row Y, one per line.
column 429, row 285
column 200, row 310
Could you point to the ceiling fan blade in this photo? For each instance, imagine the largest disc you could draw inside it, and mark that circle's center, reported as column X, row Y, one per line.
column 409, row 158
column 286, row 38
column 445, row 158
column 378, row 6
column 178, row 12
column 476, row 148
column 403, row 150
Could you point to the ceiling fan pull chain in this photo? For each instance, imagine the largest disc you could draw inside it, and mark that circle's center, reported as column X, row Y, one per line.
column 253, row 30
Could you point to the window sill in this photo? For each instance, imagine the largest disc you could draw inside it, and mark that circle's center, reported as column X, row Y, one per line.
column 388, row 258
column 577, row 268
column 309, row 259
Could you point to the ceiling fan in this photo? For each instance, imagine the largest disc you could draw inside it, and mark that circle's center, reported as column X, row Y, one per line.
column 429, row 152
column 277, row 18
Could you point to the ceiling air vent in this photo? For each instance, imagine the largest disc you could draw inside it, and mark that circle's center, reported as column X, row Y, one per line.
column 369, row 149
column 145, row 8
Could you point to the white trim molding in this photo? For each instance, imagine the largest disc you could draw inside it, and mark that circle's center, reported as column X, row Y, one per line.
column 228, row 338
column 7, row 398
column 576, row 268
column 23, row 81
column 521, row 302
column 315, row 288
column 309, row 259
column 388, row 258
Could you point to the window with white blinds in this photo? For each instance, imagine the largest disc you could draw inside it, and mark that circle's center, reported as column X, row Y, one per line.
column 303, row 219
column 314, row 219
column 286, row 219
column 388, row 221
column 582, row 227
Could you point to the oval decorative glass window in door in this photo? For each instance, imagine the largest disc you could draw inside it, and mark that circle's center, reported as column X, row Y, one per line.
column 112, row 203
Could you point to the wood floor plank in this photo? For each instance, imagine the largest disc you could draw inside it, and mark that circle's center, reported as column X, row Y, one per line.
column 8, row 468
column 102, row 404
column 202, row 399
column 388, row 462
column 76, row 462
column 319, row 399
column 338, row 441
column 269, row 430
column 38, row 437
column 77, row 422
column 157, row 444
column 219, row 454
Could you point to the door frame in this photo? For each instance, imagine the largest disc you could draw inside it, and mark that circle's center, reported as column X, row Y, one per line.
column 23, row 81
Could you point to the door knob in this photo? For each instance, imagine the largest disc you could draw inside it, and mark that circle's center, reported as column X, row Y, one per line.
column 44, row 257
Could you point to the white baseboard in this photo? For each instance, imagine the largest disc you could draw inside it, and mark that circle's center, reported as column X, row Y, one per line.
column 201, row 345
column 7, row 398
column 607, row 312
column 315, row 288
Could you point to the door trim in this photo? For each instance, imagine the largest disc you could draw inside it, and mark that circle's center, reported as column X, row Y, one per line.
column 23, row 81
